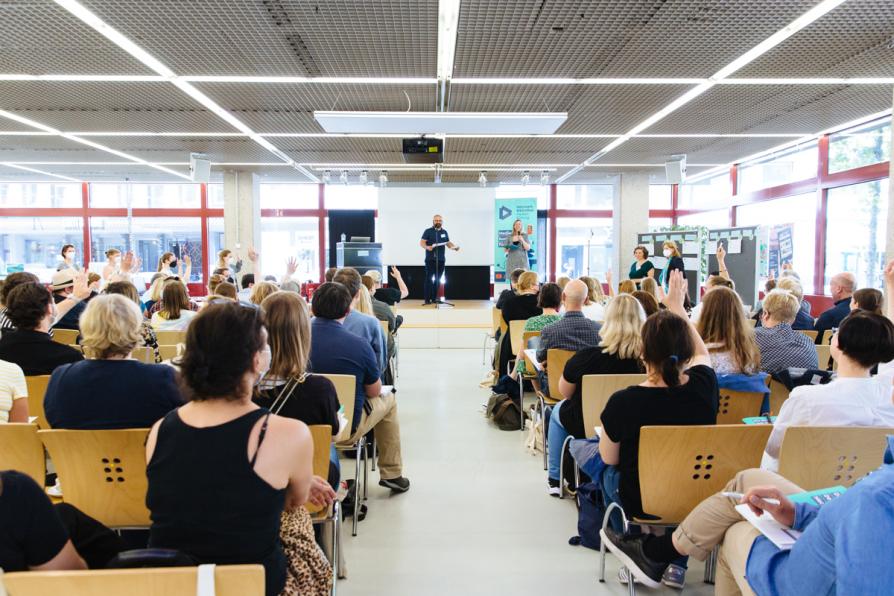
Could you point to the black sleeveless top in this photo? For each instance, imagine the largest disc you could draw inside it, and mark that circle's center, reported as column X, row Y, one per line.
column 206, row 500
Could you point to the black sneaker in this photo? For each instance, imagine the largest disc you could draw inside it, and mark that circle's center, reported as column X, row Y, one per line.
column 552, row 487
column 397, row 485
column 629, row 550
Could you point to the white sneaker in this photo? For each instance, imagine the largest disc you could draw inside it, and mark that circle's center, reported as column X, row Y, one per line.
column 553, row 490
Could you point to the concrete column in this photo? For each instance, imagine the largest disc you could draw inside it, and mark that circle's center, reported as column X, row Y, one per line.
column 630, row 216
column 242, row 212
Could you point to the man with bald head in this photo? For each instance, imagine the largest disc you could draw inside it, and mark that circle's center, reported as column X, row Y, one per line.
column 842, row 286
column 573, row 331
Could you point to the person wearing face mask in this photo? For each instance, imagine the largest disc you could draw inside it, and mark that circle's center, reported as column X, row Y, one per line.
column 170, row 266
column 68, row 256
column 113, row 264
column 434, row 240
column 671, row 252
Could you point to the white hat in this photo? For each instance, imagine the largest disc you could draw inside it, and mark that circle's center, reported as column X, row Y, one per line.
column 63, row 279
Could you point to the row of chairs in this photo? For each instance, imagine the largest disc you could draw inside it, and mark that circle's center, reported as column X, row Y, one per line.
column 169, row 338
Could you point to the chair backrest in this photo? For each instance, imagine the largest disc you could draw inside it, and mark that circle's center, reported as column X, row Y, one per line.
column 144, row 354
column 820, row 456
column 37, row 388
column 516, row 330
column 496, row 319
column 680, row 466
column 229, row 580
column 345, row 389
column 735, row 405
column 809, row 333
column 66, row 336
column 170, row 337
column 595, row 391
column 752, row 322
column 526, row 337
column 778, row 395
column 555, row 365
column 102, row 473
column 322, row 436
column 384, row 325
column 22, row 451
column 823, row 354
column 169, row 352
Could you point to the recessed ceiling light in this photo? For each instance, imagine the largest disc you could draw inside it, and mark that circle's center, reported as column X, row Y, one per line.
column 413, row 123
column 448, row 23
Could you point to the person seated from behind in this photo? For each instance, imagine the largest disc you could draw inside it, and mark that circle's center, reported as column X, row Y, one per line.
column 562, row 281
column 572, row 332
column 803, row 321
column 247, row 282
column 769, row 286
column 510, row 291
column 618, row 353
column 841, row 286
column 727, row 334
column 12, row 280
column 520, row 306
column 647, row 301
column 650, row 286
column 382, row 312
column 152, row 296
column 389, row 296
column 224, row 475
column 227, row 290
column 330, row 273
column 713, row 281
column 594, row 306
column 93, row 283
column 359, row 323
column 335, row 350
column 261, row 290
column 31, row 309
column 781, row 346
column 854, row 398
column 13, row 393
column 626, row 287
column 129, row 291
column 869, row 300
column 63, row 290
column 174, row 313
column 133, row 395
column 288, row 389
column 549, row 300
column 680, row 389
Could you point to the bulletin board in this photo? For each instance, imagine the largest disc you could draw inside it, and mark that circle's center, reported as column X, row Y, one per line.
column 742, row 258
column 690, row 248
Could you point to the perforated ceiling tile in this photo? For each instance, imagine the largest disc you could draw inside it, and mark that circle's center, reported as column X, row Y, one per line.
column 174, row 149
column 342, row 150
column 271, row 108
column 854, row 40
column 40, row 37
column 8, row 174
column 282, row 37
column 47, row 148
column 109, row 173
column 566, row 38
column 771, row 108
column 699, row 150
column 521, row 150
column 69, row 106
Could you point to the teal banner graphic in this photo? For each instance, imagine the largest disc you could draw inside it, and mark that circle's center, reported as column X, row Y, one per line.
column 506, row 212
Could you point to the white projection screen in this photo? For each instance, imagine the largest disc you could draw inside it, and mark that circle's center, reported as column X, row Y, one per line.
column 405, row 212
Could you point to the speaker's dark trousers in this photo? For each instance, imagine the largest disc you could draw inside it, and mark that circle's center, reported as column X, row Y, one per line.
column 430, row 289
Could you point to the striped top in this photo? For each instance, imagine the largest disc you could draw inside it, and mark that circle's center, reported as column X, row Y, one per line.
column 12, row 387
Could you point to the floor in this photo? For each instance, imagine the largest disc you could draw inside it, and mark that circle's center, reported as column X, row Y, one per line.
column 477, row 519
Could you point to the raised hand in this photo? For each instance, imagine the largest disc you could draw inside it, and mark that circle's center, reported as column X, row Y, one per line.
column 129, row 262
column 253, row 254
column 395, row 272
column 608, row 276
column 188, row 260
column 81, row 290
column 889, row 275
column 291, row 266
column 721, row 252
column 676, row 292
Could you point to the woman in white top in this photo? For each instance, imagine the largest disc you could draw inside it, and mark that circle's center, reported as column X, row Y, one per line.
column 13, row 393
column 113, row 264
column 594, row 307
column 854, row 398
column 727, row 333
column 174, row 315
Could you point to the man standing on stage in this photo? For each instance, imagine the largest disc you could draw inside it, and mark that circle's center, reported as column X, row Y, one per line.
column 434, row 257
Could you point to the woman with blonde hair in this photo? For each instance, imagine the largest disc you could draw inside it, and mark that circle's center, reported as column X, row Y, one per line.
column 671, row 252
column 174, row 313
column 261, row 290
column 650, row 286
column 364, row 305
column 520, row 306
column 516, row 246
column 594, row 307
column 626, row 287
column 618, row 353
column 727, row 334
column 113, row 264
column 110, row 390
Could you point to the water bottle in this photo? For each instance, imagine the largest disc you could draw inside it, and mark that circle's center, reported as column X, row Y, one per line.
column 342, row 237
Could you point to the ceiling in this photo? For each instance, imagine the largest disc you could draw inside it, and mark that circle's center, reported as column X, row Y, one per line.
column 684, row 42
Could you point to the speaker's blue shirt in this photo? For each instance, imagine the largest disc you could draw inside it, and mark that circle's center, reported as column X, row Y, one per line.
column 433, row 236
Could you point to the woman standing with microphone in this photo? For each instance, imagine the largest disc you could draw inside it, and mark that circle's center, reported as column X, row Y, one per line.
column 674, row 262
column 517, row 247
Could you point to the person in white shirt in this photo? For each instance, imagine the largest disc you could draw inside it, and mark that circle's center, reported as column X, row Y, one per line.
column 854, row 398
column 13, row 393
column 174, row 315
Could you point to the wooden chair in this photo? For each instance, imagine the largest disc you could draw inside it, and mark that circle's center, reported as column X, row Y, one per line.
column 23, row 451
column 516, row 331
column 37, row 388
column 680, row 466
column 345, row 386
column 491, row 335
column 823, row 355
column 733, row 406
column 595, row 391
column 778, row 395
column 809, row 333
column 68, row 337
column 322, row 437
column 820, row 456
column 555, row 365
column 170, row 338
column 229, row 580
column 531, row 371
column 752, row 322
column 102, row 473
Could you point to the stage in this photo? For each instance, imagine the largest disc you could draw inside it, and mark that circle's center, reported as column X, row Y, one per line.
column 461, row 326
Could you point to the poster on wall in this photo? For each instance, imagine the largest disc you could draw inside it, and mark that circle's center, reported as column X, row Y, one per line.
column 506, row 213
column 781, row 247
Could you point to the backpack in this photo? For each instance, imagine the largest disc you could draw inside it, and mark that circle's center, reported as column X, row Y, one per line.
column 505, row 412
column 591, row 510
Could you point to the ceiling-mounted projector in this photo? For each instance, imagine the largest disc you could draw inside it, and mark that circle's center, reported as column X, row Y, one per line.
column 423, row 150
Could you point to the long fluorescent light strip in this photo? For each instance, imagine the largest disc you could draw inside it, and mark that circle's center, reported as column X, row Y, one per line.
column 448, row 24
column 760, row 49
column 36, row 171
column 123, row 42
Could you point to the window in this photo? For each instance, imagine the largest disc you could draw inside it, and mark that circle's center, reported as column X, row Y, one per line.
column 518, row 191
column 790, row 165
column 285, row 237
column 217, row 241
column 39, row 194
column 146, row 196
column 798, row 213
column 289, row 196
column 856, row 224
column 574, row 237
column 709, row 193
column 709, row 219
column 35, row 243
column 148, row 238
column 657, row 223
column 216, row 196
column 339, row 196
column 661, row 196
column 585, row 196
column 860, row 146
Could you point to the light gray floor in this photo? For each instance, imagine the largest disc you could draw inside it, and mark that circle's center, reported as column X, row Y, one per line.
column 477, row 519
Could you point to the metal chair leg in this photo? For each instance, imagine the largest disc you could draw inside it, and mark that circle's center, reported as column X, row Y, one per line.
column 365, row 471
column 565, row 445
column 605, row 517
column 336, row 517
column 521, row 400
column 359, row 445
column 711, row 565
column 543, row 437
column 375, row 456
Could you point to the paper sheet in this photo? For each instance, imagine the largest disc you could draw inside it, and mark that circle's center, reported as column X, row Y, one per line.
column 784, row 538
column 531, row 356
column 691, row 263
column 690, row 248
column 734, row 247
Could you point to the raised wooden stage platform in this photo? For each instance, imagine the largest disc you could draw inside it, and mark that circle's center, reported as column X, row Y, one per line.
column 462, row 326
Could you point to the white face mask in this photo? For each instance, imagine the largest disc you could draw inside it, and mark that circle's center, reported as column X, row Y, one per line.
column 668, row 252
